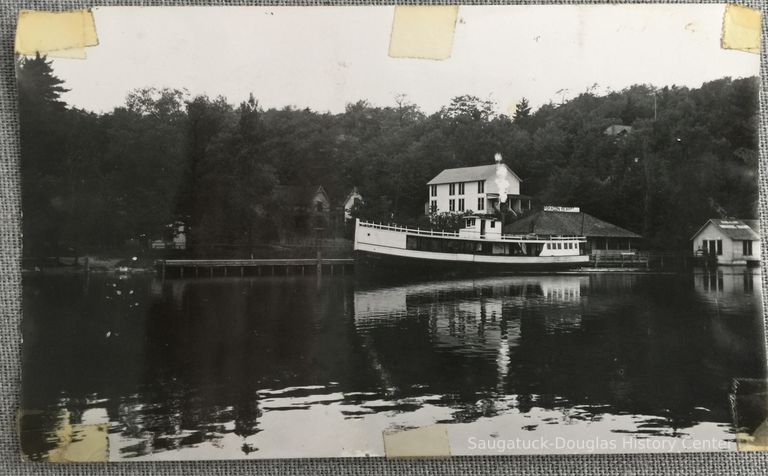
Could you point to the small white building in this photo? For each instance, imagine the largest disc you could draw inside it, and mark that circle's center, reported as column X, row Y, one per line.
column 731, row 241
column 474, row 189
column 175, row 238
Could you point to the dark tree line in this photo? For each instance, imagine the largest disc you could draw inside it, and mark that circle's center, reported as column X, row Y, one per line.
column 92, row 182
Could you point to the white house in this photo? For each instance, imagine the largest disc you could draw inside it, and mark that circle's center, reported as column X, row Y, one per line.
column 354, row 198
column 731, row 241
column 475, row 189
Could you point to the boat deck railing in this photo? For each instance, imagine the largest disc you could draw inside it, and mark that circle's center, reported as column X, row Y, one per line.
column 451, row 234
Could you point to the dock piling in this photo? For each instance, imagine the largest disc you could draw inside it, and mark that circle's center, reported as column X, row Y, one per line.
column 281, row 267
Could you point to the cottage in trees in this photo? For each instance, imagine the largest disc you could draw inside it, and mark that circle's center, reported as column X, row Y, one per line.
column 353, row 199
column 731, row 241
column 617, row 130
column 476, row 189
column 305, row 209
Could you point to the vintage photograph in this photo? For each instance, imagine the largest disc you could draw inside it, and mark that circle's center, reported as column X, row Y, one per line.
column 294, row 232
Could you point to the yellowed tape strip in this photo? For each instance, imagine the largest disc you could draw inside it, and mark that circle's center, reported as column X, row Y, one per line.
column 426, row 442
column 424, row 32
column 81, row 444
column 58, row 34
column 741, row 29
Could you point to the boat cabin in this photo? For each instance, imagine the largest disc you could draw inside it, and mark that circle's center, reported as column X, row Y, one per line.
column 480, row 227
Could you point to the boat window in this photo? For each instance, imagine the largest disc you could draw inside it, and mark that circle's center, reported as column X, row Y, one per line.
column 559, row 246
column 549, row 246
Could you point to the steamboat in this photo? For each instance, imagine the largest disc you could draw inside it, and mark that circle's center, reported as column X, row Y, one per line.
column 479, row 246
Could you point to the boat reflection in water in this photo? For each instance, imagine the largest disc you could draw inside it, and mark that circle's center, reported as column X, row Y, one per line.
column 289, row 367
column 478, row 320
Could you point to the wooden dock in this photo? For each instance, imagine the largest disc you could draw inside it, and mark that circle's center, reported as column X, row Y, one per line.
column 642, row 259
column 208, row 268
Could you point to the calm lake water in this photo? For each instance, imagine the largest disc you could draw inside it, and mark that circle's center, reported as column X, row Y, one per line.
column 292, row 367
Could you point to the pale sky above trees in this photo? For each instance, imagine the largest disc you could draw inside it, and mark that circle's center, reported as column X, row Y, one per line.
column 326, row 57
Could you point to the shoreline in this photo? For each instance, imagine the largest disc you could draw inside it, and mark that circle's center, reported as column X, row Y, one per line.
column 70, row 270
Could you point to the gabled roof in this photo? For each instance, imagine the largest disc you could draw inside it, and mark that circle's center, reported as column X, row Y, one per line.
column 354, row 193
column 300, row 195
column 734, row 229
column 617, row 129
column 469, row 174
column 567, row 223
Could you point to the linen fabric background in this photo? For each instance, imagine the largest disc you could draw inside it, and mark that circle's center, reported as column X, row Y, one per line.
column 10, row 315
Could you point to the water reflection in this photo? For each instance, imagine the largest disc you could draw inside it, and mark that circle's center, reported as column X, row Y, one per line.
column 282, row 367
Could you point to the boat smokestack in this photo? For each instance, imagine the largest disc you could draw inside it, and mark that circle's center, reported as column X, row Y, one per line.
column 502, row 183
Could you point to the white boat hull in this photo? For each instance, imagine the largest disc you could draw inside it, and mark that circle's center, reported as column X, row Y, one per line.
column 395, row 248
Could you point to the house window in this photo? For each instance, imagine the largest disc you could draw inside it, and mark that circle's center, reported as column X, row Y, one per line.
column 461, row 204
column 433, row 190
column 481, row 186
column 433, row 206
column 712, row 247
column 461, row 188
column 746, row 247
column 493, row 224
column 452, row 205
column 481, row 203
column 451, row 189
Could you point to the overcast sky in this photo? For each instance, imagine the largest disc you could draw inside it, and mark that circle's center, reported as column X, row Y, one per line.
column 326, row 57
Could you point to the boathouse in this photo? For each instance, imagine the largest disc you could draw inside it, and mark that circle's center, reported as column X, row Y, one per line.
column 475, row 189
column 566, row 221
column 733, row 242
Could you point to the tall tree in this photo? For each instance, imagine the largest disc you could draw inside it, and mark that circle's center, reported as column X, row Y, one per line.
column 45, row 198
column 522, row 110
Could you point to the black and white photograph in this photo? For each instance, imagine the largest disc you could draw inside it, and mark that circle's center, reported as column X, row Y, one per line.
column 379, row 231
